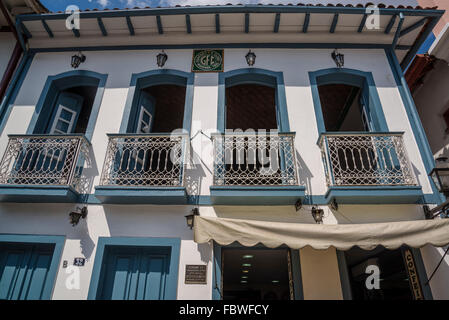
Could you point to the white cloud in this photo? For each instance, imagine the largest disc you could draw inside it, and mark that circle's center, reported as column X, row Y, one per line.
column 103, row 3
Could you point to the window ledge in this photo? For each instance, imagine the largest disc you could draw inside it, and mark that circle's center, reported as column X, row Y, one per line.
column 256, row 195
column 374, row 194
column 38, row 194
column 141, row 195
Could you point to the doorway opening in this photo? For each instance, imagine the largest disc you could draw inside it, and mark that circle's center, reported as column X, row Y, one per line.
column 257, row 274
column 343, row 108
column 396, row 278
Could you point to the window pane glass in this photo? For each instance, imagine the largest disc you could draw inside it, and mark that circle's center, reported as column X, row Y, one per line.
column 66, row 115
column 62, row 126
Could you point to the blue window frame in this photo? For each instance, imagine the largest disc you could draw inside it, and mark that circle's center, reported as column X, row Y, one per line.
column 122, row 265
column 354, row 78
column 45, row 108
column 253, row 76
column 147, row 79
column 28, row 266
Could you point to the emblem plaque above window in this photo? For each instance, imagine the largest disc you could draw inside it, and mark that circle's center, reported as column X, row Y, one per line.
column 207, row 61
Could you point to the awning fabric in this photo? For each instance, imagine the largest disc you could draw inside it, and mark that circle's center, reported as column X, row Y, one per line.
column 391, row 235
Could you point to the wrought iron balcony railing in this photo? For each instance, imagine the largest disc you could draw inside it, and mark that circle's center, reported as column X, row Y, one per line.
column 145, row 160
column 254, row 160
column 44, row 160
column 366, row 159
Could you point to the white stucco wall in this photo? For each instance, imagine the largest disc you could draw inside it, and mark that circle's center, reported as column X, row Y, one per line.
column 168, row 221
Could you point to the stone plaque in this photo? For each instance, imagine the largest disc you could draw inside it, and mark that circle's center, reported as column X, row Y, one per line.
column 196, row 274
column 207, row 61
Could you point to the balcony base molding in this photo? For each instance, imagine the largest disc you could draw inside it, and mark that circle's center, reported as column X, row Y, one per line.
column 38, row 194
column 256, row 195
column 374, row 194
column 141, row 195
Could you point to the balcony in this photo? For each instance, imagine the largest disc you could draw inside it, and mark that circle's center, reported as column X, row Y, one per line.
column 144, row 168
column 368, row 168
column 43, row 168
column 255, row 169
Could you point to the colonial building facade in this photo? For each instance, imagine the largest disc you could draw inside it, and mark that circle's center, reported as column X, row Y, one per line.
column 218, row 152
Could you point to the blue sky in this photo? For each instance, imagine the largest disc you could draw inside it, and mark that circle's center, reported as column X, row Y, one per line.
column 60, row 5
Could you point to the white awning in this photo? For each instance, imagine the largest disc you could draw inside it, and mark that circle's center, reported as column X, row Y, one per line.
column 391, row 235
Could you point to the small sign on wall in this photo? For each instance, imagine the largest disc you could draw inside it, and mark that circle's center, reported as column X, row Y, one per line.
column 196, row 274
column 79, row 262
column 413, row 275
column 207, row 60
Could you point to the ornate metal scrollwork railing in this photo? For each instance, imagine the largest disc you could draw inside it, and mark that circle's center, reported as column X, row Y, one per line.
column 44, row 160
column 145, row 160
column 254, row 159
column 366, row 159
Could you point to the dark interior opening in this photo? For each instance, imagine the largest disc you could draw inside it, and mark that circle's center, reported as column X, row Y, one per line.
column 251, row 106
column 169, row 107
column 341, row 107
column 88, row 93
column 256, row 274
column 394, row 280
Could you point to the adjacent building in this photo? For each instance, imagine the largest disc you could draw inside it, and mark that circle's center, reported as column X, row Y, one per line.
column 218, row 152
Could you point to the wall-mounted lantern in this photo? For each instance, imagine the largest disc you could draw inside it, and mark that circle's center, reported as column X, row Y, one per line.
column 161, row 59
column 77, row 59
column 250, row 58
column 190, row 219
column 317, row 215
column 338, row 58
column 76, row 216
column 440, row 175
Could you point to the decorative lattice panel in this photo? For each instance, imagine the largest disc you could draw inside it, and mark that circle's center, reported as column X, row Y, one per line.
column 366, row 159
column 254, row 159
column 144, row 160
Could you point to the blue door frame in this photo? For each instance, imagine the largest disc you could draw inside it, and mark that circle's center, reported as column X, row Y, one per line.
column 171, row 245
column 45, row 290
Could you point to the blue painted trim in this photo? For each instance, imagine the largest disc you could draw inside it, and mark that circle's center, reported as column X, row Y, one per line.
column 217, row 23
column 305, row 26
column 216, row 273
column 160, row 29
column 390, row 24
column 334, row 23
column 141, row 195
column 37, row 194
column 277, row 21
column 418, row 43
column 362, row 23
column 130, row 26
column 248, row 8
column 253, row 75
column 158, row 77
column 256, row 195
column 246, row 22
column 172, row 278
column 413, row 27
column 296, row 45
column 26, row 32
column 58, row 241
column 188, row 24
column 47, row 28
column 13, row 90
column 102, row 27
column 415, row 122
column 61, row 82
column 352, row 77
column 398, row 31
column 375, row 194
column 344, row 275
